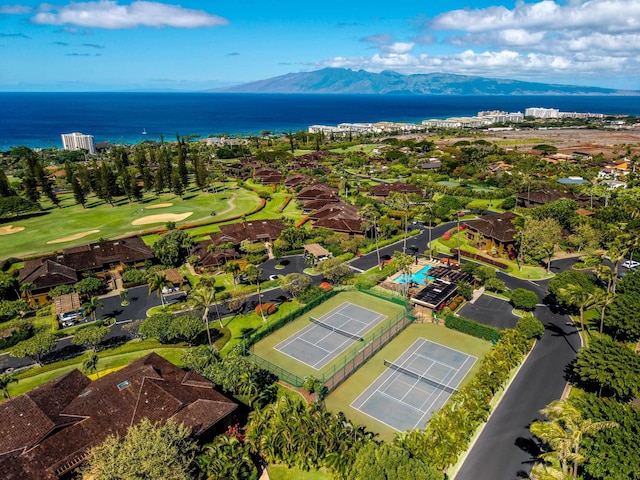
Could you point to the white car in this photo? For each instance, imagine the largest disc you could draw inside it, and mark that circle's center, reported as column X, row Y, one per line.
column 631, row 264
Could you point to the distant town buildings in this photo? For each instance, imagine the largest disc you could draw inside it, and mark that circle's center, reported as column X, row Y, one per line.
column 483, row 119
column 538, row 112
column 356, row 129
column 78, row 141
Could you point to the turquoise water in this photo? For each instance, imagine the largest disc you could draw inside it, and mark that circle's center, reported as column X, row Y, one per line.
column 419, row 277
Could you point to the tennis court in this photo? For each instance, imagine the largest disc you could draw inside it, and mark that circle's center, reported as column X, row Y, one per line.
column 328, row 336
column 415, row 385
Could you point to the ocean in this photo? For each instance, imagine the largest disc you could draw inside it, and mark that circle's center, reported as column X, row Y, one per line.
column 37, row 119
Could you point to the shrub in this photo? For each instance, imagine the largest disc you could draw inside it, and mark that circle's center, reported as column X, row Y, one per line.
column 134, row 277
column 530, row 326
column 524, row 299
column 465, row 290
column 89, row 286
column 267, row 309
column 471, row 327
column 495, row 285
column 508, row 203
column 476, row 256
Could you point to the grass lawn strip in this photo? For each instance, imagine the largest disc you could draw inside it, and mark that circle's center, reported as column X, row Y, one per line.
column 39, row 375
column 282, row 472
column 345, row 394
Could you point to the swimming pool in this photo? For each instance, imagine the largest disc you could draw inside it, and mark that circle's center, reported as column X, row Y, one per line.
column 420, row 277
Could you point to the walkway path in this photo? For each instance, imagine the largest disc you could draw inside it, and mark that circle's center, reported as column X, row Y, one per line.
column 231, row 204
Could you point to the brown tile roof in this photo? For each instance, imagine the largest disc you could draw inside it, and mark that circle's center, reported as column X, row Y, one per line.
column 540, row 197
column 213, row 259
column 316, row 191
column 339, row 217
column 62, row 269
column 254, row 231
column 297, row 180
column 46, row 273
column 87, row 412
column 498, row 227
column 385, row 189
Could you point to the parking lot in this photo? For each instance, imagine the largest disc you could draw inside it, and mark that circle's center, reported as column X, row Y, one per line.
column 490, row 311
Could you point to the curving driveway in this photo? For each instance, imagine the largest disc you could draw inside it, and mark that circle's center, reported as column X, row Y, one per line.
column 505, row 449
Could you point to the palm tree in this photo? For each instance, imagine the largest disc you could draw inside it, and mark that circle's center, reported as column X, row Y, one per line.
column 6, row 379
column 91, row 307
column 401, row 202
column 253, row 274
column 563, row 433
column 580, row 297
column 370, row 215
column 403, row 262
column 233, row 268
column 156, row 283
column 430, row 210
column 203, row 296
column 90, row 365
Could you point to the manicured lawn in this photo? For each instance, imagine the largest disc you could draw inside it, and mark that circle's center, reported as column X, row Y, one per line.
column 110, row 359
column 105, row 221
column 341, row 399
column 240, row 324
column 281, row 472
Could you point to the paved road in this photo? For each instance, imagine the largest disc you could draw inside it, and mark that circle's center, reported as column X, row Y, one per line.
column 505, row 450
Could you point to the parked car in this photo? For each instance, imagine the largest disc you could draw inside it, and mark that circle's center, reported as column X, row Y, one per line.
column 631, row 264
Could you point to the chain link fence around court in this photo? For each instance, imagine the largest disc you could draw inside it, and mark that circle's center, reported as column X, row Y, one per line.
column 352, row 360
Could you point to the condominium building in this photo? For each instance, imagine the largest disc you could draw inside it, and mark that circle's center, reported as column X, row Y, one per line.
column 539, row 112
column 78, row 141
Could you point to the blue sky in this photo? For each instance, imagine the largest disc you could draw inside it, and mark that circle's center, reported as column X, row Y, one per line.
column 194, row 45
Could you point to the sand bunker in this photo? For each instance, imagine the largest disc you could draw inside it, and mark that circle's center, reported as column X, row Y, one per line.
column 161, row 218
column 159, row 205
column 9, row 229
column 72, row 237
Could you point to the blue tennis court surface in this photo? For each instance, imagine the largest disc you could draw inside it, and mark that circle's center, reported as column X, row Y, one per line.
column 415, row 385
column 317, row 345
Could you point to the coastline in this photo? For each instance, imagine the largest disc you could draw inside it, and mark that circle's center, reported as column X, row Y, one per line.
column 37, row 120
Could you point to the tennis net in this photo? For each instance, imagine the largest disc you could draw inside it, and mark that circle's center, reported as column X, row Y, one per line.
column 417, row 376
column 334, row 329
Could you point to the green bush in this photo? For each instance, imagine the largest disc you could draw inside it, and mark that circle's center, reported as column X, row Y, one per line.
column 471, row 327
column 530, row 326
column 495, row 285
column 134, row 277
column 524, row 299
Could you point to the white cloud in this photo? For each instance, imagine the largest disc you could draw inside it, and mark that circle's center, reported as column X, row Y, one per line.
column 497, row 64
column 612, row 15
column 109, row 15
column 14, row 9
column 398, row 47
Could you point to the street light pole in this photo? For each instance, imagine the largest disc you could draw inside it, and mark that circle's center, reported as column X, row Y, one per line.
column 458, row 219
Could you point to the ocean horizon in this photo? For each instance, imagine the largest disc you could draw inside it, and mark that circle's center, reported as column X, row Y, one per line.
column 37, row 120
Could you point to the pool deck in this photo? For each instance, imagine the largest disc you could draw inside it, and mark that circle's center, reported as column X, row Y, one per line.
column 416, row 267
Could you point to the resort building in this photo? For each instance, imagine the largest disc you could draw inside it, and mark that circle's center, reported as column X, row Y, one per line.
column 78, row 141
column 46, row 433
column 539, row 112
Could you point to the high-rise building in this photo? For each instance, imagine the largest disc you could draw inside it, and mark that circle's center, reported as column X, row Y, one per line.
column 78, row 141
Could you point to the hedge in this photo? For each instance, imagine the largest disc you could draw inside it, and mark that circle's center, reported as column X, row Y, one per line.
column 482, row 258
column 284, row 204
column 471, row 327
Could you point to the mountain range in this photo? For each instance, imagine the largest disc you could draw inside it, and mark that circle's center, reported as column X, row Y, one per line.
column 345, row 81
